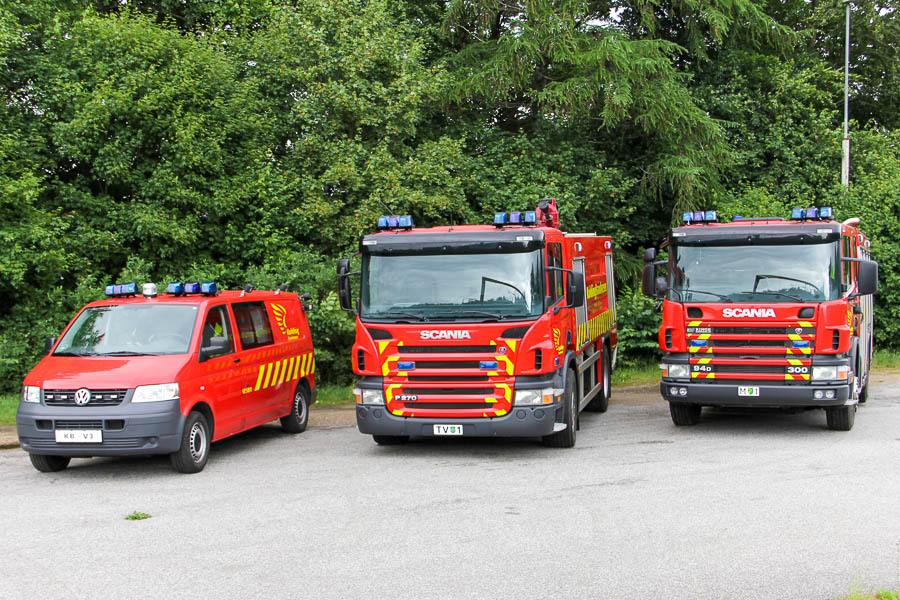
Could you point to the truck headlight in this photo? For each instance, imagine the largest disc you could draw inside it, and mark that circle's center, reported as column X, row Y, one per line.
column 155, row 393
column 535, row 397
column 368, row 396
column 670, row 370
column 31, row 393
column 830, row 373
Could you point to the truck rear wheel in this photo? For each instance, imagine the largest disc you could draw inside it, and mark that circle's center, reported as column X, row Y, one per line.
column 46, row 463
column 841, row 418
column 685, row 414
column 390, row 440
column 601, row 401
column 566, row 437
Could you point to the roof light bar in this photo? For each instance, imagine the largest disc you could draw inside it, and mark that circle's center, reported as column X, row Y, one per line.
column 122, row 289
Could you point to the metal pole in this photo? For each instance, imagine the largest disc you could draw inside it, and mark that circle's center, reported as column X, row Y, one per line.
column 845, row 143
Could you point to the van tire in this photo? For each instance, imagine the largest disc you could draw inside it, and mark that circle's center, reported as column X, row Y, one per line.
column 685, row 414
column 298, row 418
column 566, row 437
column 840, row 418
column 601, row 401
column 48, row 463
column 390, row 440
column 193, row 453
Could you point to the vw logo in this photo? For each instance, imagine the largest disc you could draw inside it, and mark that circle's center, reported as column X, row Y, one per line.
column 82, row 396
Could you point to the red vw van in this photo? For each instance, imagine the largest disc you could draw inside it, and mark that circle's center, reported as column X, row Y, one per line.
column 148, row 373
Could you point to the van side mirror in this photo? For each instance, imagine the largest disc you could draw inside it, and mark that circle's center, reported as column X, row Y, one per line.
column 866, row 277
column 649, row 255
column 48, row 345
column 345, row 293
column 217, row 347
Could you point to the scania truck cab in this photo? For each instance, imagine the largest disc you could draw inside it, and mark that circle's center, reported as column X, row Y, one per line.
column 765, row 312
column 481, row 330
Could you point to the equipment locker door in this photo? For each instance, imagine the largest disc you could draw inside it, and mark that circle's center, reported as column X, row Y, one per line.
column 581, row 325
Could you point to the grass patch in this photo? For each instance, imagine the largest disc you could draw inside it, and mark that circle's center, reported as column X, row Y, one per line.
column 335, row 395
column 137, row 516
column 886, row 359
column 645, row 374
column 9, row 403
column 882, row 595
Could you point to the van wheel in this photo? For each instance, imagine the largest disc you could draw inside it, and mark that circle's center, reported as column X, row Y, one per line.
column 685, row 414
column 601, row 401
column 841, row 418
column 191, row 457
column 296, row 421
column 390, row 440
column 46, row 463
column 566, row 437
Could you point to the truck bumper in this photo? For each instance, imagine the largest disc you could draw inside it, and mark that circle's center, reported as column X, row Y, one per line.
column 152, row 428
column 520, row 422
column 718, row 394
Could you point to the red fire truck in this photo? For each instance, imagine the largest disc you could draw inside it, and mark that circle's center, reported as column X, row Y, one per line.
column 480, row 330
column 765, row 312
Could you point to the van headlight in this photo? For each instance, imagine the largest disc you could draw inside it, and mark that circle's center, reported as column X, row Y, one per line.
column 155, row 393
column 536, row 397
column 830, row 373
column 31, row 393
column 368, row 396
column 679, row 371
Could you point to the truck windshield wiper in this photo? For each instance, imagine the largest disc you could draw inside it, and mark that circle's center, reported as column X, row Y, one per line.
column 398, row 312
column 472, row 312
column 797, row 298
column 723, row 297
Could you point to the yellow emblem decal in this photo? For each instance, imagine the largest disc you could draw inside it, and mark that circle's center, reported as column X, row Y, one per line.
column 281, row 320
column 559, row 347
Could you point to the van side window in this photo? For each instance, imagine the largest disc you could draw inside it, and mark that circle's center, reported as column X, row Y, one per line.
column 555, row 279
column 216, row 325
column 253, row 324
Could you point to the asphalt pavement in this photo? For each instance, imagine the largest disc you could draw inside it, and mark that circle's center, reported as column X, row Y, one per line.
column 760, row 505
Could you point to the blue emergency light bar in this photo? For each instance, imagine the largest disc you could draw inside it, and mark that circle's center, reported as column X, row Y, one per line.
column 700, row 216
column 530, row 217
column 121, row 289
column 812, row 213
column 393, row 222
column 500, row 219
column 209, row 288
column 176, row 287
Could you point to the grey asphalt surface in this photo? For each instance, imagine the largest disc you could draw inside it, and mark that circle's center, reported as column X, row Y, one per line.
column 760, row 505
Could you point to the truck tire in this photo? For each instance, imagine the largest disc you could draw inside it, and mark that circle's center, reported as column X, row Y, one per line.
column 864, row 393
column 685, row 414
column 297, row 420
column 193, row 453
column 47, row 463
column 601, row 401
column 841, row 418
column 566, row 437
column 390, row 440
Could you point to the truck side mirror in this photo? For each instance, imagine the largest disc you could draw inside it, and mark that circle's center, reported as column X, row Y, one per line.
column 48, row 345
column 866, row 277
column 344, row 291
column 574, row 291
column 649, row 255
column 217, row 347
column 648, row 280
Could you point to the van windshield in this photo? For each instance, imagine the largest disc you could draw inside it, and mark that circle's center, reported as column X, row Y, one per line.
column 130, row 330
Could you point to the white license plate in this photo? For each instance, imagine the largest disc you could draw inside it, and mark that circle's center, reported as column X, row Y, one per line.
column 448, row 430
column 79, row 436
column 748, row 391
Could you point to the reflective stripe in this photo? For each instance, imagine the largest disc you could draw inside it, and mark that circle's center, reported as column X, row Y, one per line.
column 268, row 375
column 259, row 378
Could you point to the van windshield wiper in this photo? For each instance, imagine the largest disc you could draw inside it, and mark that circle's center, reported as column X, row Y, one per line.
column 71, row 353
column 127, row 353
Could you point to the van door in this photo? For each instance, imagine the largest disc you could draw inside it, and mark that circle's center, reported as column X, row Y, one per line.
column 218, row 370
column 265, row 369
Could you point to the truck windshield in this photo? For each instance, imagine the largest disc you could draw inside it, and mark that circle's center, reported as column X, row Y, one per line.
column 457, row 286
column 776, row 273
column 130, row 330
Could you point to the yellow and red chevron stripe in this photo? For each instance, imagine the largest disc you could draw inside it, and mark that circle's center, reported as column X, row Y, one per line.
column 285, row 369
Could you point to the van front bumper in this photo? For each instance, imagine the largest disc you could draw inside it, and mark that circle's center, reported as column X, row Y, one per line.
column 520, row 422
column 127, row 429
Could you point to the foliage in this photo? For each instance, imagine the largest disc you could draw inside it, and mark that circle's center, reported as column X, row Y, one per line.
column 638, row 328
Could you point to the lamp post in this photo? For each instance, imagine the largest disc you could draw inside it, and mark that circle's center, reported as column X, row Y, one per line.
column 845, row 143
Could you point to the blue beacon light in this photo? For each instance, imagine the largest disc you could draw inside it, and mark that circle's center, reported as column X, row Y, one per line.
column 176, row 287
column 500, row 219
column 209, row 288
column 530, row 217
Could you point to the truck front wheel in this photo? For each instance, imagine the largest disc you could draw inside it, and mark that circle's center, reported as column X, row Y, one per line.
column 566, row 437
column 685, row 414
column 841, row 418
